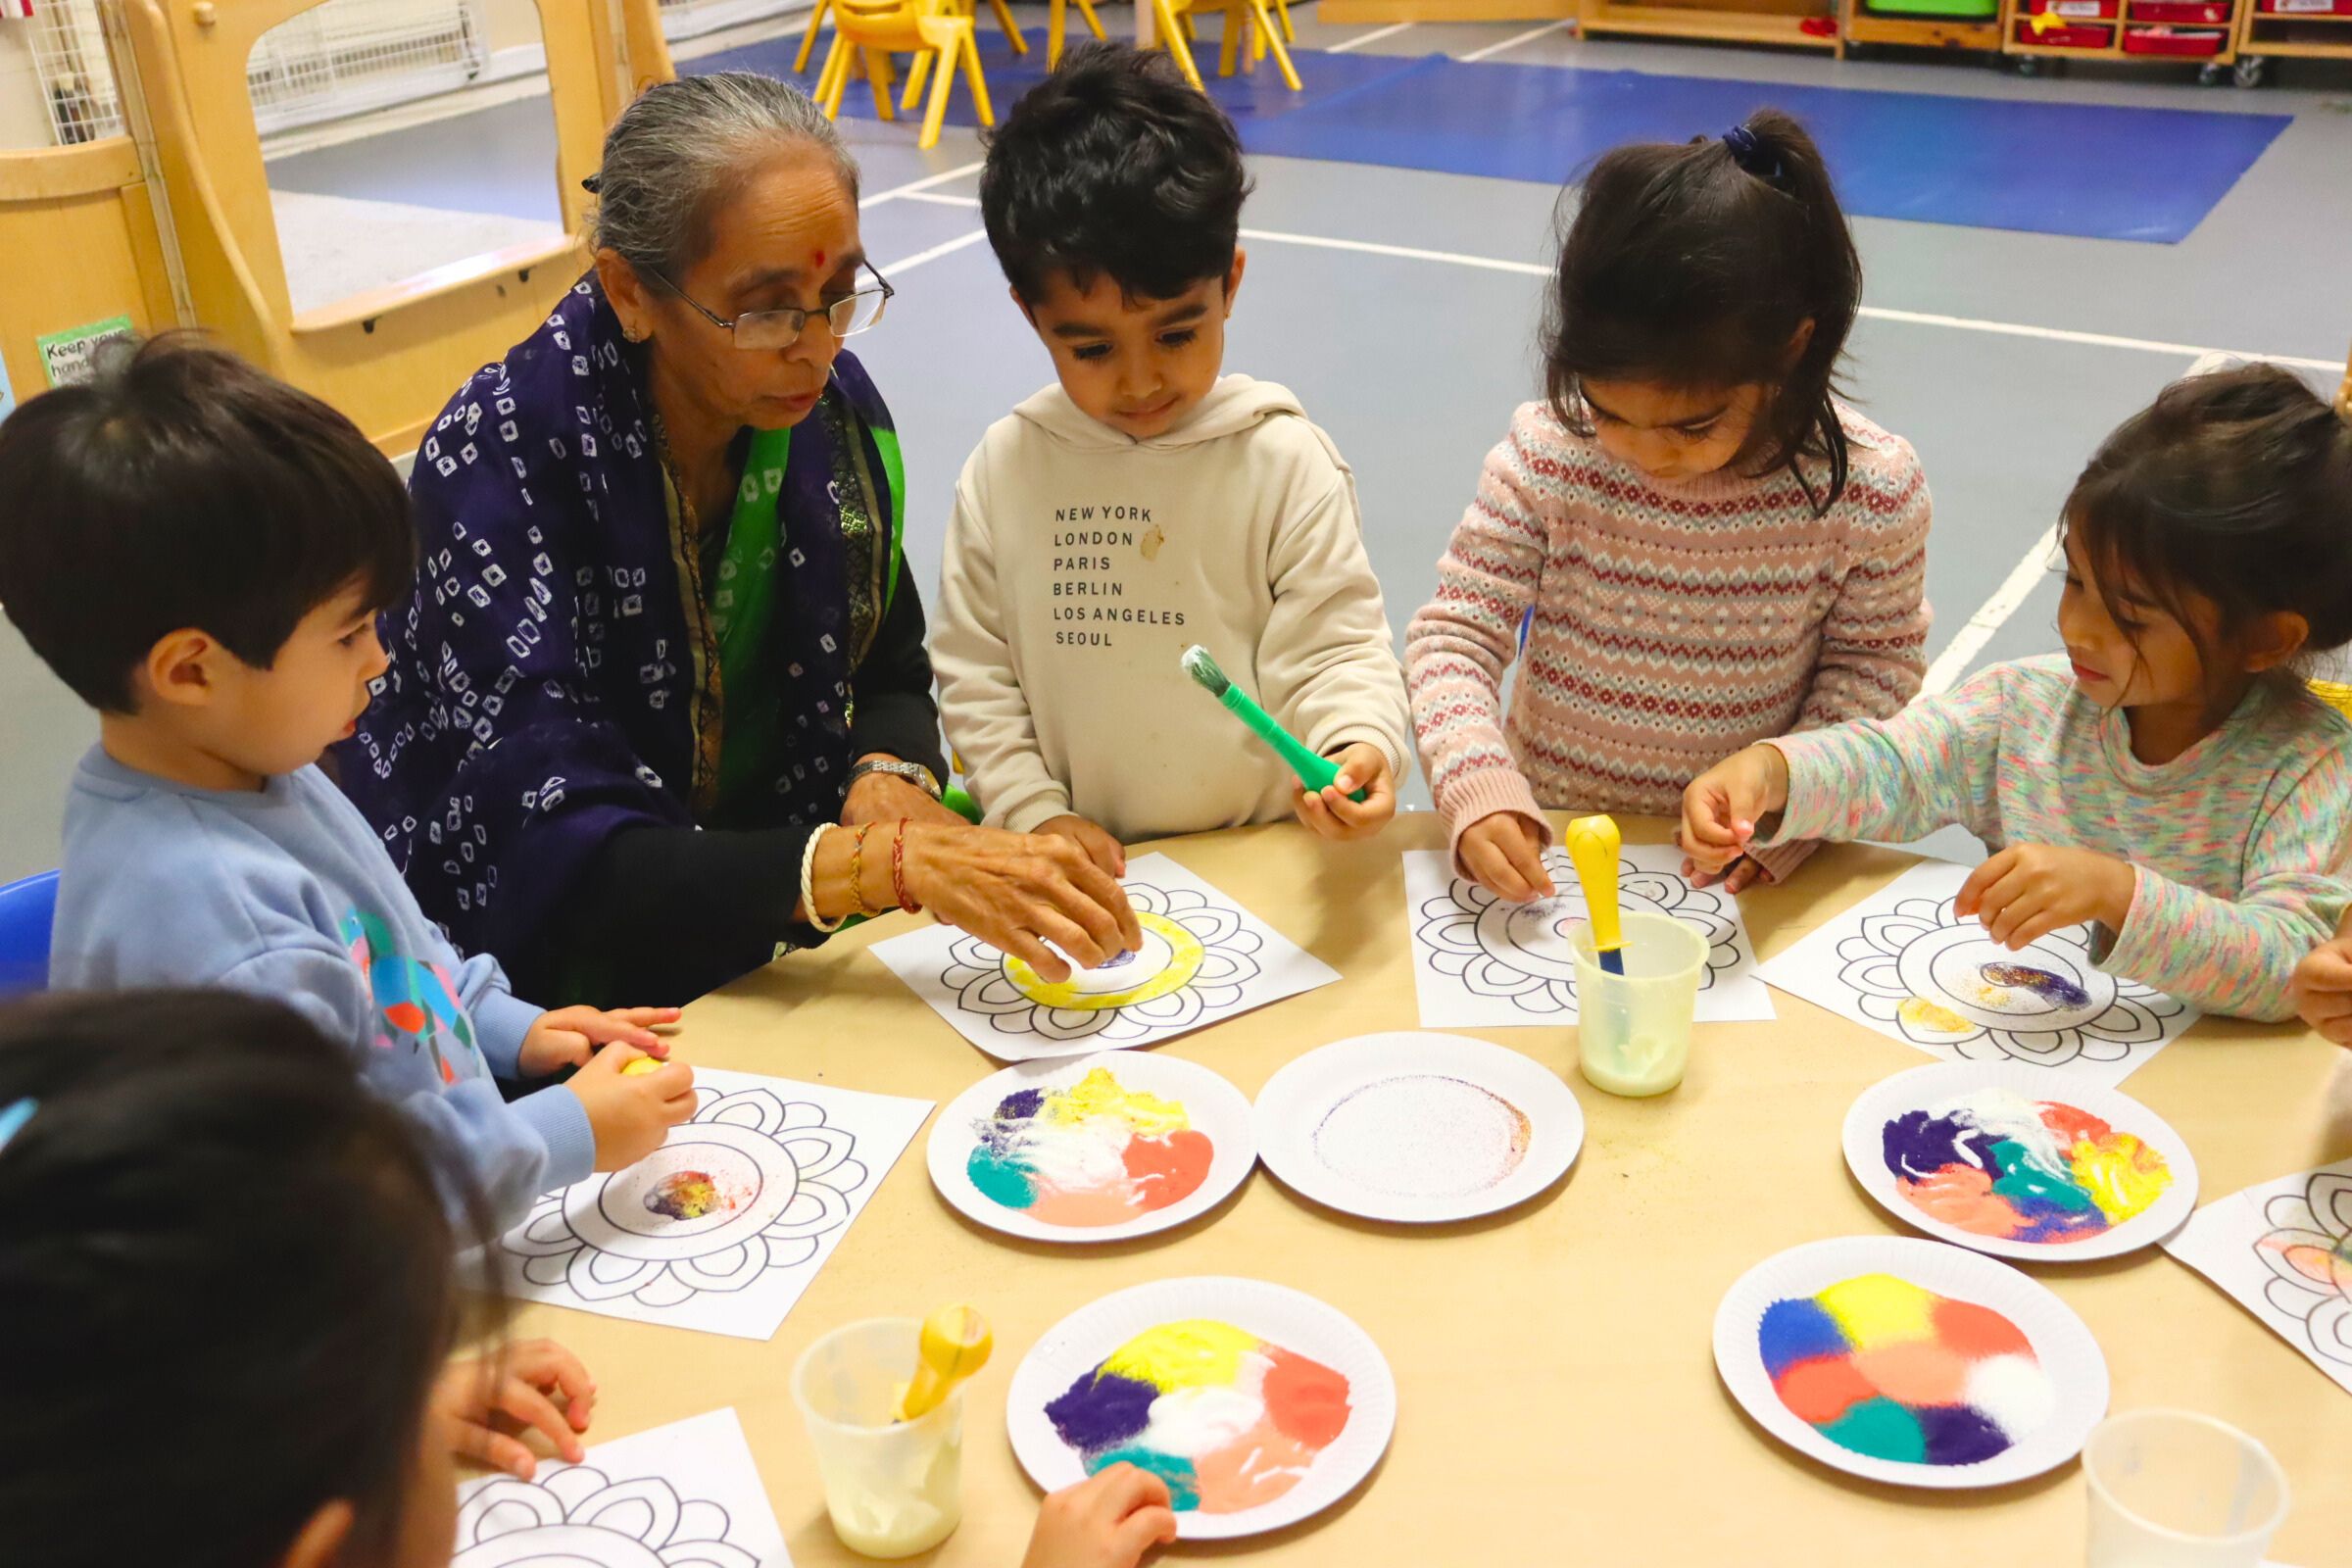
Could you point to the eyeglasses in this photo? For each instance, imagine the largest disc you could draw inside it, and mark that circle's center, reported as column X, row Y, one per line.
column 782, row 329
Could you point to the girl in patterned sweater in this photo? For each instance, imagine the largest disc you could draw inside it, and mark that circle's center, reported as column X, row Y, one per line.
column 1704, row 545
column 2169, row 778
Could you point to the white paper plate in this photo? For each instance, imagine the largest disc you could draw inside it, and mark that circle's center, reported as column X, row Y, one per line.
column 1326, row 1121
column 1289, row 1318
column 1217, row 1108
column 1928, row 1088
column 2070, row 1357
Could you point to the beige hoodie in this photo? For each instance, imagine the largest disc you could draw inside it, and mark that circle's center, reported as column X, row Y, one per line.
column 1081, row 563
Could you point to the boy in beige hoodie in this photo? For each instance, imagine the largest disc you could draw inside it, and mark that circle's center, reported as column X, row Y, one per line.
column 1144, row 503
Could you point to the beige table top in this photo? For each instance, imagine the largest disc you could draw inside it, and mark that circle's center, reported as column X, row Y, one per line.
column 1558, row 1397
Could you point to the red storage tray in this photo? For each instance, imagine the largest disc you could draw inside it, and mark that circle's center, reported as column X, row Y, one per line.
column 2168, row 41
column 2074, row 35
column 2076, row 10
column 2211, row 12
column 2305, row 8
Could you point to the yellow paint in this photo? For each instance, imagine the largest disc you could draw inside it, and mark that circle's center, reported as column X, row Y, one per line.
column 1099, row 1093
column 956, row 1343
column 1921, row 1013
column 1185, row 955
column 1195, row 1354
column 641, row 1066
column 1878, row 1309
column 2126, row 1180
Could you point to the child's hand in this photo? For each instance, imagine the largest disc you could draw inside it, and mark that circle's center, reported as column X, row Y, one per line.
column 1105, row 851
column 1333, row 815
column 630, row 1116
column 2030, row 889
column 487, row 1400
column 566, row 1037
column 1505, row 851
column 2323, row 989
column 1722, row 806
column 1108, row 1520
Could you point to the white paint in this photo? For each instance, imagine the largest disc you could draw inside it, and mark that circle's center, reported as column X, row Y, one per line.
column 1992, row 615
column 1363, row 38
column 920, row 188
column 1516, row 39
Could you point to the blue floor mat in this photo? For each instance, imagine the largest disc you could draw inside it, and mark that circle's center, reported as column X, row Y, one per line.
column 2090, row 170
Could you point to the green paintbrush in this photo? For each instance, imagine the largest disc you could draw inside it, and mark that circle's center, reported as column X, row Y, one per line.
column 1317, row 772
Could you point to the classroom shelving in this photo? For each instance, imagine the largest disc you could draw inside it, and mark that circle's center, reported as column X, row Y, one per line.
column 2314, row 29
column 2201, row 33
column 1794, row 23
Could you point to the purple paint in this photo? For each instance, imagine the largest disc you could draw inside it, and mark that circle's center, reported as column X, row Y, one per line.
column 1916, row 1145
column 1020, row 1106
column 2049, row 987
column 1959, row 1434
column 1098, row 1412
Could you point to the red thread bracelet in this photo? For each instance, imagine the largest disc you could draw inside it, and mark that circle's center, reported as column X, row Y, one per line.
column 898, row 870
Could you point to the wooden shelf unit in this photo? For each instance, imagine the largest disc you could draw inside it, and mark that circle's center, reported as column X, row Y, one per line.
column 1767, row 22
column 2017, row 36
column 2274, row 34
column 1869, row 28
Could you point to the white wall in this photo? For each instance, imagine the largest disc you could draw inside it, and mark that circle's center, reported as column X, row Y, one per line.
column 24, row 120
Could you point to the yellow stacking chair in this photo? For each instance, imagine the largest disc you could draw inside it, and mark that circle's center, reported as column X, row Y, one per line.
column 1173, row 18
column 937, row 32
column 1004, row 20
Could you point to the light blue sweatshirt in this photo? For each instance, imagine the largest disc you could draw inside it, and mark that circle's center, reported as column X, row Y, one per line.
column 287, row 892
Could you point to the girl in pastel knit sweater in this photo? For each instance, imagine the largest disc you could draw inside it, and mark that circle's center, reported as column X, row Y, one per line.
column 2168, row 778
column 1705, row 547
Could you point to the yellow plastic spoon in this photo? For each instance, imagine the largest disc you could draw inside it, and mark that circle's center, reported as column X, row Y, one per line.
column 1593, row 844
column 955, row 1342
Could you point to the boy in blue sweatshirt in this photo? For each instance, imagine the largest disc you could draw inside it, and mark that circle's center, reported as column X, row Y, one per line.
column 200, row 551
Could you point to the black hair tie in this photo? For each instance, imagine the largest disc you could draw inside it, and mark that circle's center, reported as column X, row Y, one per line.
column 593, row 184
column 1752, row 156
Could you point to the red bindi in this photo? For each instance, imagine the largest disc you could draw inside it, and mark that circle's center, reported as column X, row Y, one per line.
column 820, row 258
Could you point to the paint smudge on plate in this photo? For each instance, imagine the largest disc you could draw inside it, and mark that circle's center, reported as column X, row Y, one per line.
column 1998, row 1163
column 1891, row 1370
column 1423, row 1134
column 1228, row 1420
column 1096, row 1152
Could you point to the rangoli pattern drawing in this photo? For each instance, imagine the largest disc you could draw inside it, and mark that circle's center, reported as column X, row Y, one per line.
column 578, row 1517
column 2308, row 1251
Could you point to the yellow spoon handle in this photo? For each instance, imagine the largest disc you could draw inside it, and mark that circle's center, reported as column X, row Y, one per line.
column 1593, row 844
column 956, row 1343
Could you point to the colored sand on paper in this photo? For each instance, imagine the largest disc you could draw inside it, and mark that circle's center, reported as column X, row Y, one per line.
column 1998, row 1163
column 1228, row 1420
column 1894, row 1371
column 2054, row 989
column 1921, row 1013
column 684, row 1195
column 1094, row 1153
column 1423, row 1134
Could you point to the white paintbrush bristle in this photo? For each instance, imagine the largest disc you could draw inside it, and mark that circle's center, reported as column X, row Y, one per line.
column 1203, row 670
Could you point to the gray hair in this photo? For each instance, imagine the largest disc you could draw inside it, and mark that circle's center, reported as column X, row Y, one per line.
column 676, row 154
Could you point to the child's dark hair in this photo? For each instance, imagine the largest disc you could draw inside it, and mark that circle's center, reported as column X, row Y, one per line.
column 182, row 487
column 226, row 1278
column 1696, row 265
column 2232, row 489
column 1113, row 164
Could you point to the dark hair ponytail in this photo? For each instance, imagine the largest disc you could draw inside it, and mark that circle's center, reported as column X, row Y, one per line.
column 2233, row 488
column 226, row 1280
column 1695, row 264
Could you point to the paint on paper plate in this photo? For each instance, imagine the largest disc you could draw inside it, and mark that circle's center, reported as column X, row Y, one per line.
column 1891, row 1370
column 1996, row 1162
column 1228, row 1420
column 1096, row 1152
column 1423, row 1134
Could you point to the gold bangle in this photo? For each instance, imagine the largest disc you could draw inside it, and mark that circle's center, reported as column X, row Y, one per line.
column 857, row 870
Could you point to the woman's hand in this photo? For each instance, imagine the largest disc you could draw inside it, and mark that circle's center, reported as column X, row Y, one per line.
column 1333, row 815
column 487, row 1402
column 2030, row 889
column 1503, row 852
column 1722, row 806
column 1019, row 890
column 1100, row 847
column 887, row 798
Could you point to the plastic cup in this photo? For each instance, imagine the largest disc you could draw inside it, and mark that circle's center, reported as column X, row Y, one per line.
column 2172, row 1489
column 1632, row 1030
column 892, row 1489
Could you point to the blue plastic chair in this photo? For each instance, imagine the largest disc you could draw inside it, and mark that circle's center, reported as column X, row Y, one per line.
column 28, row 915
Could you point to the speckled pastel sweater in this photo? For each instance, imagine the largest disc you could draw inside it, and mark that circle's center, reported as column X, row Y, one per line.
column 1675, row 623
column 2240, row 842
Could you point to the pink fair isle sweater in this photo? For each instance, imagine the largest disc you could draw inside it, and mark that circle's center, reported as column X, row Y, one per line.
column 1675, row 623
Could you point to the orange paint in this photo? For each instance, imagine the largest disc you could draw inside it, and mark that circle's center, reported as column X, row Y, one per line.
column 2072, row 1124
column 1106, row 1205
column 1167, row 1170
column 1974, row 1332
column 1255, row 1468
column 1305, row 1398
column 1919, row 1372
column 1820, row 1390
column 1962, row 1195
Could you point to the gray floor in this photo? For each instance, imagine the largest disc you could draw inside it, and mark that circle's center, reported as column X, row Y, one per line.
column 1416, row 397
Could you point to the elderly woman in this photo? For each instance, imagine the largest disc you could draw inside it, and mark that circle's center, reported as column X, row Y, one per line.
column 659, row 703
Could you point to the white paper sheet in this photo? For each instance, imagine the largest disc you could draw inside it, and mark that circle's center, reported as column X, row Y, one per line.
column 685, row 1493
column 2284, row 1251
column 1901, row 962
column 724, row 1226
column 1204, row 959
column 1482, row 964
